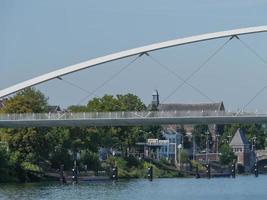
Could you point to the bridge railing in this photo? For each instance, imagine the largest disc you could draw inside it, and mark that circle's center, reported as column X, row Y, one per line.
column 119, row 115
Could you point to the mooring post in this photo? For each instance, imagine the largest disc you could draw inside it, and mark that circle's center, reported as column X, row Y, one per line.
column 150, row 173
column 256, row 169
column 61, row 173
column 114, row 174
column 75, row 173
column 208, row 171
column 233, row 170
column 197, row 172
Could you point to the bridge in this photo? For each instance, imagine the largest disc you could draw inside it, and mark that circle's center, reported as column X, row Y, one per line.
column 129, row 118
column 146, row 118
column 261, row 154
column 128, row 53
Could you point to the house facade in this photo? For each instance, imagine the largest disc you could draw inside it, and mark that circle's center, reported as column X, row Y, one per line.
column 173, row 139
column 165, row 148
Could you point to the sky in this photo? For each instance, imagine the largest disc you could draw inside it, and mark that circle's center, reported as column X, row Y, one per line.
column 39, row 36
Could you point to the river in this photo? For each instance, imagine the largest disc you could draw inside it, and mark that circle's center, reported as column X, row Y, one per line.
column 241, row 188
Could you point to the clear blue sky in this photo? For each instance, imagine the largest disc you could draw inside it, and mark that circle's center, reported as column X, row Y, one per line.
column 38, row 36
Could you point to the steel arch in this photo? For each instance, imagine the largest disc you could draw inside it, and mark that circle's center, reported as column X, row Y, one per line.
column 127, row 53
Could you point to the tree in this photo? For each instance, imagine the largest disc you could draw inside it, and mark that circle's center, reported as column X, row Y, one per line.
column 120, row 137
column 31, row 144
column 90, row 159
column 28, row 146
column 28, row 100
column 226, row 155
column 77, row 108
column 4, row 164
column 199, row 133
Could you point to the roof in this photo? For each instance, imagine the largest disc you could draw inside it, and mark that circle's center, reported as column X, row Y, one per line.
column 239, row 139
column 155, row 93
column 53, row 109
column 170, row 133
column 191, row 107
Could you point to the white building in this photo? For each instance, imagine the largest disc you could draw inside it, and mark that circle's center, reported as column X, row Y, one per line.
column 173, row 139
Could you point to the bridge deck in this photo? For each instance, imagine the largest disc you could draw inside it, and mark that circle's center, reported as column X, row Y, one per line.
column 125, row 119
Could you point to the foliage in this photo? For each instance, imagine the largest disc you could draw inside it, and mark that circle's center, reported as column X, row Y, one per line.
column 132, row 162
column 27, row 166
column 227, row 155
column 4, row 164
column 199, row 133
column 184, row 157
column 90, row 159
column 128, row 102
column 28, row 100
column 196, row 164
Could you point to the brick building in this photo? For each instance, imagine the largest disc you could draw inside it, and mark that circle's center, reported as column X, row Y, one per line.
column 241, row 148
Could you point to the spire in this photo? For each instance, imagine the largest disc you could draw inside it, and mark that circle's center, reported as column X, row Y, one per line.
column 155, row 98
column 239, row 139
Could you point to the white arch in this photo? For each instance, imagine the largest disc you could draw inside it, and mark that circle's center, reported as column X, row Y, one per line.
column 128, row 53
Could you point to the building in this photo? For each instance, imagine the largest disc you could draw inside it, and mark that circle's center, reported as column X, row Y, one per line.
column 241, row 148
column 198, row 108
column 165, row 148
column 54, row 109
column 174, row 138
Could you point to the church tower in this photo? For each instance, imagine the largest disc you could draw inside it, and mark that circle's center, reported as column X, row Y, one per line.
column 155, row 98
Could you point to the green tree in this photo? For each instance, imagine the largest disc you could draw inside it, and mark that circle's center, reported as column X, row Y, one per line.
column 77, row 108
column 4, row 164
column 199, row 133
column 226, row 155
column 31, row 144
column 28, row 100
column 120, row 137
column 90, row 159
column 28, row 146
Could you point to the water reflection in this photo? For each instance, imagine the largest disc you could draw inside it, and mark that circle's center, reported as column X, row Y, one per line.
column 241, row 188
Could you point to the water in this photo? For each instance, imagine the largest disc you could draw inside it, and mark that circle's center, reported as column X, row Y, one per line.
column 241, row 188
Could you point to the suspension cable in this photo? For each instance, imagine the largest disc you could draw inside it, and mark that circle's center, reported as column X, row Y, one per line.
column 77, row 86
column 257, row 55
column 109, row 79
column 251, row 100
column 198, row 69
column 164, row 66
column 253, row 51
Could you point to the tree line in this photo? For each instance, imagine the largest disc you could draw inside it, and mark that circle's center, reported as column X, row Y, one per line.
column 37, row 149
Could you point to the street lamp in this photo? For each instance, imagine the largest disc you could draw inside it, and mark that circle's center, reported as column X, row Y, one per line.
column 217, row 144
column 179, row 150
column 229, row 138
column 207, row 143
column 254, row 143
